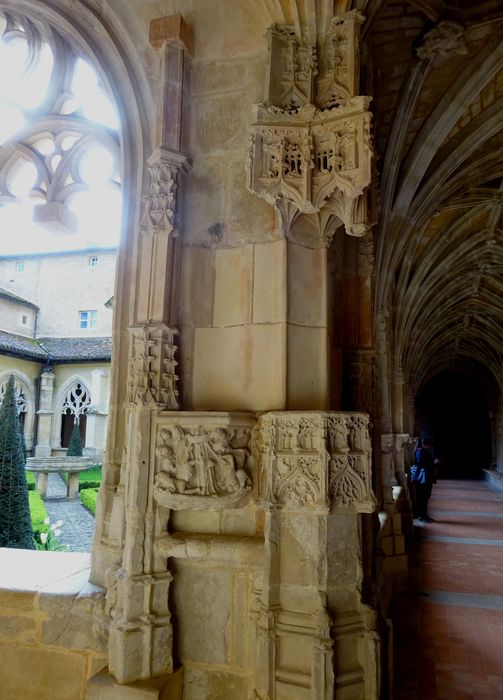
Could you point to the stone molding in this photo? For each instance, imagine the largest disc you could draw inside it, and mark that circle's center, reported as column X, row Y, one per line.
column 315, row 460
column 310, row 148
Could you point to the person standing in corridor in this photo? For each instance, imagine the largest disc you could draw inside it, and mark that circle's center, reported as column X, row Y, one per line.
column 424, row 461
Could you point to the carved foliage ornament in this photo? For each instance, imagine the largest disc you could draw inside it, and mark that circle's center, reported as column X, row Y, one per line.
column 152, row 380
column 312, row 138
column 159, row 204
column 202, row 467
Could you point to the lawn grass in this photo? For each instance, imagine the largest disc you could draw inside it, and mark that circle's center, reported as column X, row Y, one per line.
column 88, row 498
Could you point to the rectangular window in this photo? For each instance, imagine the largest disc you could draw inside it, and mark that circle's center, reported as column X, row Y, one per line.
column 87, row 319
column 24, row 320
column 93, row 261
column 20, row 266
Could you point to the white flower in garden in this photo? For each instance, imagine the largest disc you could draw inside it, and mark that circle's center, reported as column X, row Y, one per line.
column 43, row 537
column 57, row 532
column 59, row 523
column 46, row 521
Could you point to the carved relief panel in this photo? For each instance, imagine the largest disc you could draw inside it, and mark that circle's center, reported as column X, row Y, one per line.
column 203, row 461
column 315, row 460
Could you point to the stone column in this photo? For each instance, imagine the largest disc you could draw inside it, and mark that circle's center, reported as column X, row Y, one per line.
column 388, row 472
column 401, row 440
column 310, row 157
column 140, row 637
column 97, row 415
column 315, row 637
column 45, row 413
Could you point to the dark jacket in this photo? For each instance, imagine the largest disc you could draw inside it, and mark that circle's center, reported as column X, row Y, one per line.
column 423, row 458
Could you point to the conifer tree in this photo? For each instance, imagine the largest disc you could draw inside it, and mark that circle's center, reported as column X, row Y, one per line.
column 15, row 520
column 75, row 444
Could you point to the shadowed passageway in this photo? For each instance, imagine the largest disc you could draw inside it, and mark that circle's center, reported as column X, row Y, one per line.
column 449, row 625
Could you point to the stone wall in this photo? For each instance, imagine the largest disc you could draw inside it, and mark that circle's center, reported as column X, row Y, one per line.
column 61, row 284
column 12, row 315
column 50, row 643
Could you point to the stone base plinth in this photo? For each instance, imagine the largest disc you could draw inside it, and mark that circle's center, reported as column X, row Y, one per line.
column 105, row 687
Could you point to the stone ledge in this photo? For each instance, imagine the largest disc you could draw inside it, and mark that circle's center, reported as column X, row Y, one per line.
column 28, row 571
column 105, row 687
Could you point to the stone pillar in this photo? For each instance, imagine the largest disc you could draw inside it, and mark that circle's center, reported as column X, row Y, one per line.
column 97, row 415
column 45, row 413
column 388, row 472
column 310, row 157
column 42, row 483
column 315, row 637
column 140, row 637
column 401, row 440
column 398, row 400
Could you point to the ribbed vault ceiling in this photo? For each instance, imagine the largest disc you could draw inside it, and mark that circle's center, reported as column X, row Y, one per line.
column 439, row 139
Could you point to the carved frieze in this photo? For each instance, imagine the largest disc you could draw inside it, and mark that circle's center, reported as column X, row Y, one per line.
column 311, row 140
column 202, row 466
column 152, row 378
column 315, row 460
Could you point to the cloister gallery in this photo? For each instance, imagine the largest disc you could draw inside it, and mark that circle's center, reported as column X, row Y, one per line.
column 308, row 277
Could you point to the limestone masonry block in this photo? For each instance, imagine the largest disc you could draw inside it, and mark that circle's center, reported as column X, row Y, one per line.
column 269, row 276
column 233, row 286
column 239, row 368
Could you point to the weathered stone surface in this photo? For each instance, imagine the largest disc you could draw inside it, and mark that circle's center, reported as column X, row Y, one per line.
column 203, row 608
column 239, row 368
column 60, row 674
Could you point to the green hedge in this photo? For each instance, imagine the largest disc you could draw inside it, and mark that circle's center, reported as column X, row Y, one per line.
column 31, row 480
column 37, row 511
column 88, row 479
column 88, row 498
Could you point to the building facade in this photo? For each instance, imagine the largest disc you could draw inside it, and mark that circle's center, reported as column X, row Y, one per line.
column 58, row 348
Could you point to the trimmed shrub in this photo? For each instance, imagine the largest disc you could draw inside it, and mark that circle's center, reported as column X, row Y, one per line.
column 31, row 481
column 75, row 444
column 88, row 479
column 37, row 511
column 15, row 520
column 88, row 498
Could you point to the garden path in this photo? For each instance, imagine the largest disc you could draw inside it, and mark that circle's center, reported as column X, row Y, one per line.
column 77, row 530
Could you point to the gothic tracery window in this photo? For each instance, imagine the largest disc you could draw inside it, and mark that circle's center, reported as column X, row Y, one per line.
column 21, row 400
column 77, row 401
column 59, row 141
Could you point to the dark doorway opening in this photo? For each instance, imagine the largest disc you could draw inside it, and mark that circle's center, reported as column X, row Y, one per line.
column 67, row 427
column 454, row 413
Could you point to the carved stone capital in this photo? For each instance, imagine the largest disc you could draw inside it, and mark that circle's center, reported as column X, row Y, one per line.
column 152, row 378
column 203, row 461
column 311, row 140
column 159, row 203
column 315, row 460
column 387, row 442
column 443, row 41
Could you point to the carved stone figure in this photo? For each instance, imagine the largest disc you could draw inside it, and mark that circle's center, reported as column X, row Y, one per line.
column 200, row 468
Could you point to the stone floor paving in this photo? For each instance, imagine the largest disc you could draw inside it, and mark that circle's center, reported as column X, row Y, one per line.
column 448, row 627
column 77, row 530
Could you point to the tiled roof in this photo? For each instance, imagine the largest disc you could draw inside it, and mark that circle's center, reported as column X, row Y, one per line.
column 56, row 349
column 77, row 349
column 21, row 347
column 7, row 294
